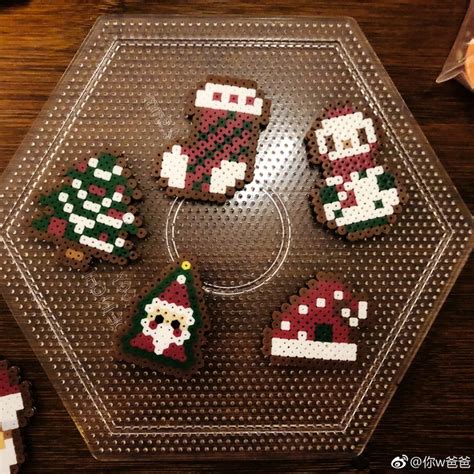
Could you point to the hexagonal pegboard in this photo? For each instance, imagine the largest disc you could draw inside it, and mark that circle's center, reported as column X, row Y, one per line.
column 126, row 89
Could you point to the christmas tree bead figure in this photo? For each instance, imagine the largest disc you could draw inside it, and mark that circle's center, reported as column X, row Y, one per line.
column 15, row 409
column 167, row 325
column 358, row 197
column 218, row 158
column 89, row 214
column 319, row 324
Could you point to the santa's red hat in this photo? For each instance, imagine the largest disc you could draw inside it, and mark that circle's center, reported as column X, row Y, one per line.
column 6, row 387
column 176, row 293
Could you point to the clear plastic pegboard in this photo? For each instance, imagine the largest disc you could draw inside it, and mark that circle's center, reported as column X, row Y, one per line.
column 125, row 89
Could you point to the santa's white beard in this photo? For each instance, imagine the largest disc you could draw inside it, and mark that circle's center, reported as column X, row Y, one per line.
column 163, row 336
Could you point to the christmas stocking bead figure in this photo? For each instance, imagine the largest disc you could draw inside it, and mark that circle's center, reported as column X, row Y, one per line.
column 167, row 325
column 218, row 158
column 90, row 213
column 319, row 324
column 15, row 409
column 358, row 197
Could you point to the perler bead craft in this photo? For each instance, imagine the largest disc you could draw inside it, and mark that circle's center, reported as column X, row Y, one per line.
column 89, row 213
column 319, row 324
column 358, row 197
column 218, row 157
column 165, row 330
column 15, row 409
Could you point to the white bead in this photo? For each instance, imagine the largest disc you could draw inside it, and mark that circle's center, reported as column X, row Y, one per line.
column 333, row 180
column 128, row 218
column 321, row 302
column 285, row 325
column 117, row 170
column 63, row 197
column 110, row 221
column 76, row 183
column 95, row 243
column 338, row 295
column 79, row 229
column 302, row 335
column 362, row 310
column 68, row 207
column 93, row 162
column 91, row 206
column 303, row 309
column 76, row 219
column 102, row 174
column 119, row 242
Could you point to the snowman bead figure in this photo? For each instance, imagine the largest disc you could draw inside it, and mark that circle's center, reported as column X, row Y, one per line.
column 358, row 197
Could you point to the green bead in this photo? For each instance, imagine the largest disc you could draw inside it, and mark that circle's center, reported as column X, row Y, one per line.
column 386, row 181
column 323, row 333
column 328, row 194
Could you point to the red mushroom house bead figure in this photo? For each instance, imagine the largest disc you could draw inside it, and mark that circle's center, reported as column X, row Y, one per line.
column 319, row 324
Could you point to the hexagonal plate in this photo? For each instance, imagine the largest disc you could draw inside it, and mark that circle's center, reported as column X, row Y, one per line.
column 125, row 89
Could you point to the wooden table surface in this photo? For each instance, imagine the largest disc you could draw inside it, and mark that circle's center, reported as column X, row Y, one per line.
column 432, row 412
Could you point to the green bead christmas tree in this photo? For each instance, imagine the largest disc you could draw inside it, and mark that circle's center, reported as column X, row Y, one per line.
column 89, row 213
column 167, row 325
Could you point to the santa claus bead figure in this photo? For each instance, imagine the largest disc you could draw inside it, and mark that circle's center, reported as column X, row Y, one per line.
column 168, row 320
column 167, row 325
column 15, row 408
column 358, row 197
